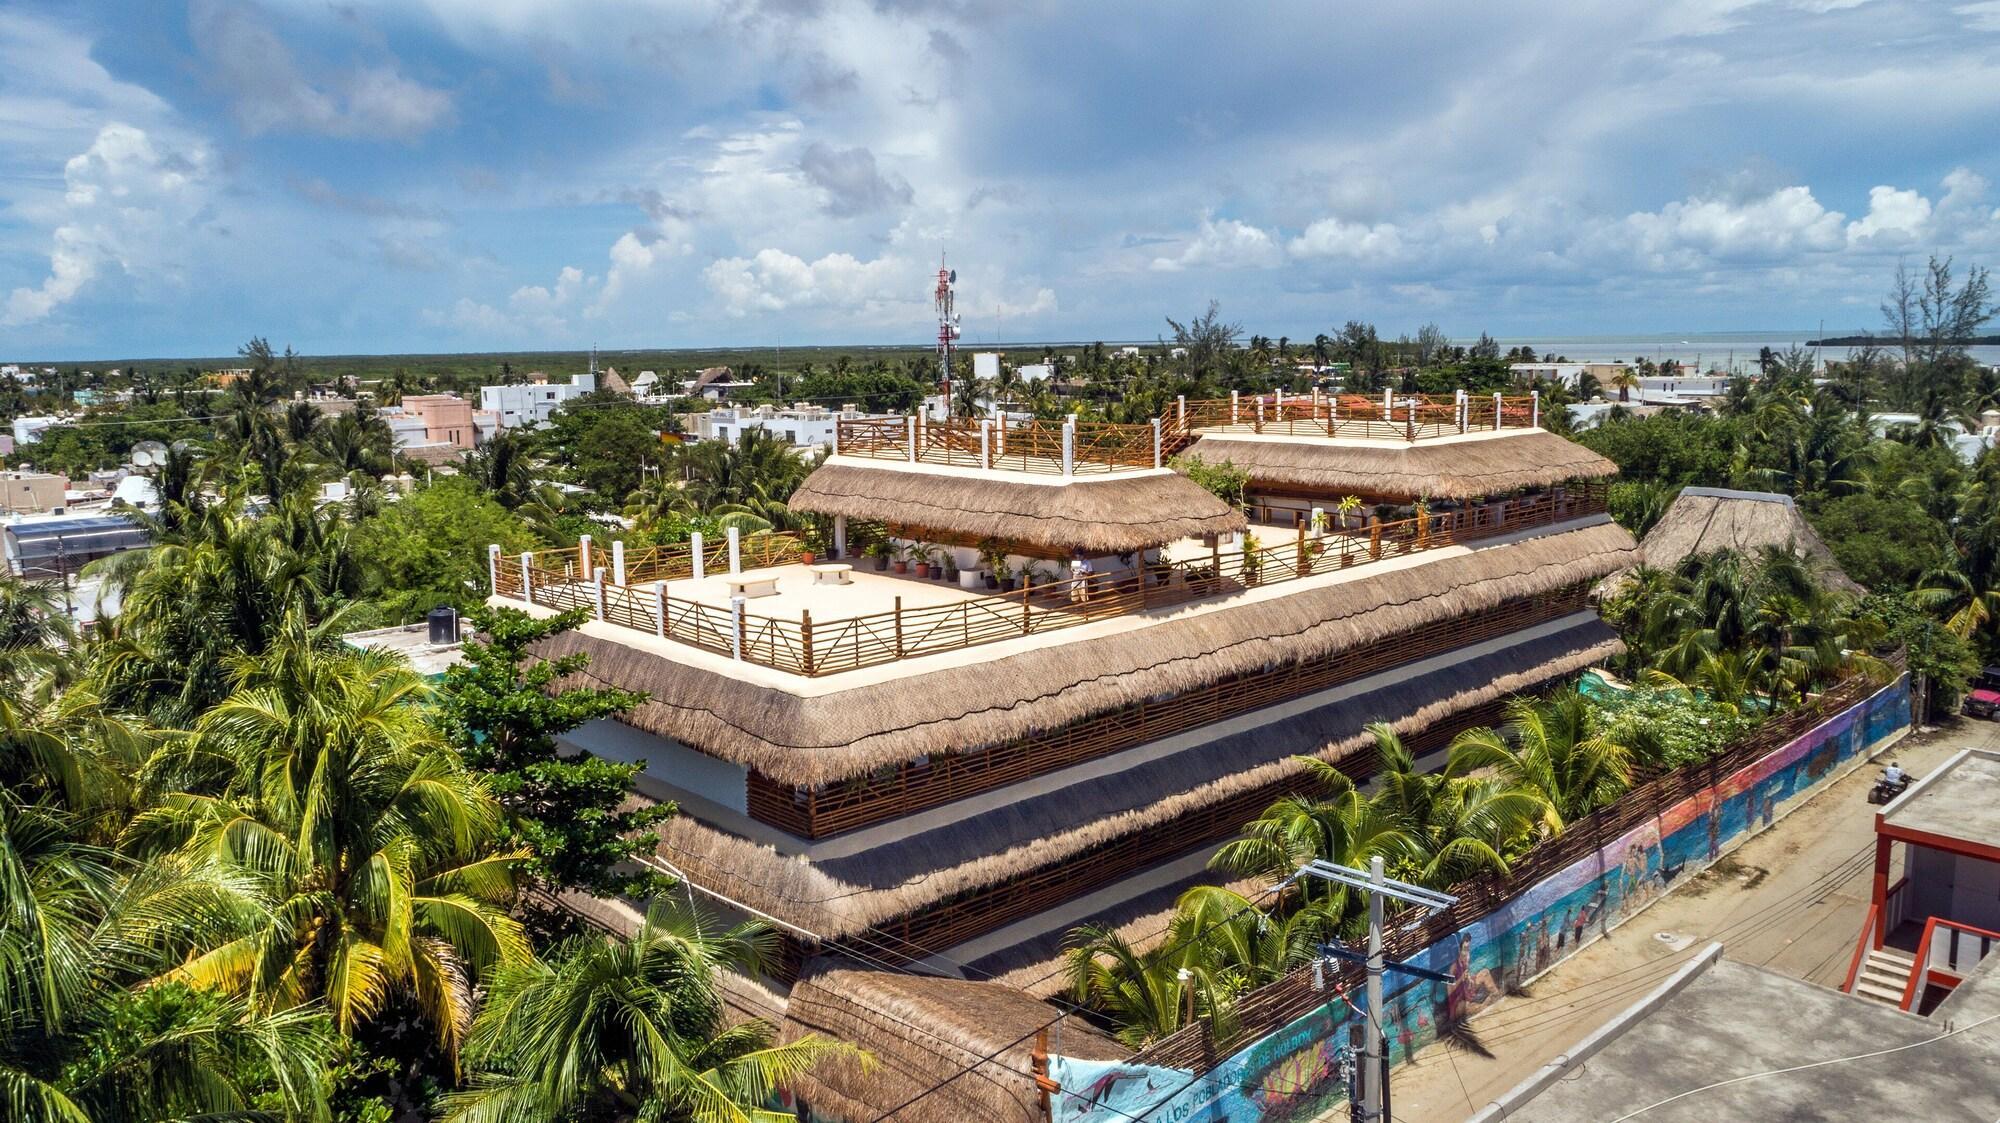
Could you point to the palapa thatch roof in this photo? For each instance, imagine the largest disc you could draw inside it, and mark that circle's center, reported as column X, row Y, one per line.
column 1452, row 468
column 832, row 735
column 1702, row 520
column 1112, row 513
column 921, row 1030
column 856, row 889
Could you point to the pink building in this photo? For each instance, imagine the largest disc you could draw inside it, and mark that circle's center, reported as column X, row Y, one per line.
column 447, row 418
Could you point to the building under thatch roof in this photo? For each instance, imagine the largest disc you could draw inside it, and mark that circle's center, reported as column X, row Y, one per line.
column 943, row 1050
column 846, row 884
column 1702, row 520
column 1463, row 467
column 1112, row 513
column 822, row 730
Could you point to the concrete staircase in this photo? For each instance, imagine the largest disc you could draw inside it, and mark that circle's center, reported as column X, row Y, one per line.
column 1885, row 974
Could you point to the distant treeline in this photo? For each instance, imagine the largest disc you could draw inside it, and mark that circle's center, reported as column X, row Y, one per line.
column 1884, row 341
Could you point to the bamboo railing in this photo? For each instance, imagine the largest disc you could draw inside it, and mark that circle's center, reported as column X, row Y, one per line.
column 567, row 579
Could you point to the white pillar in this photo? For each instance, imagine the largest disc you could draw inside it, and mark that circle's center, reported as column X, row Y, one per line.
column 840, row 536
column 597, row 589
column 660, row 609
column 736, row 628
column 1388, row 406
column 493, row 568
column 836, row 436
column 527, row 592
column 1180, row 405
column 1260, row 411
column 735, row 551
column 1069, row 447
column 910, row 436
column 700, row 554
column 1496, row 411
column 618, row 562
column 1281, row 403
column 1534, row 409
column 1235, row 408
column 986, row 442
column 1159, row 446
column 583, row 557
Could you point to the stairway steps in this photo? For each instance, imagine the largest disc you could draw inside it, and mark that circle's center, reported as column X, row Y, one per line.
column 1879, row 992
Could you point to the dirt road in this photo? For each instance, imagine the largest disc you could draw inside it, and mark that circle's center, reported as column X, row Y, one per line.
column 1792, row 899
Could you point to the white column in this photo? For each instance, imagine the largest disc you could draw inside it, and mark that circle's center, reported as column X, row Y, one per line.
column 493, row 568
column 986, row 442
column 1496, row 411
column 736, row 628
column 660, row 609
column 583, row 556
column 1069, row 447
column 1180, row 405
column 1235, row 408
column 700, row 555
column 1260, row 411
column 735, row 551
column 836, row 436
column 910, row 436
column 527, row 592
column 1159, row 446
column 618, row 562
column 597, row 589
column 840, row 535
column 1388, row 406
column 1281, row 403
column 1535, row 409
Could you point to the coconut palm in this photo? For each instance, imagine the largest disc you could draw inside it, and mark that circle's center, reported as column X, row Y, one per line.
column 89, row 1033
column 1337, row 825
column 321, row 778
column 1457, row 826
column 608, row 1028
column 1553, row 749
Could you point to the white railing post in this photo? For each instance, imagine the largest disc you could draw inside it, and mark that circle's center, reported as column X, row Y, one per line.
column 1496, row 411
column 597, row 589
column 583, row 557
column 1235, row 408
column 1069, row 447
column 1260, row 411
column 493, row 568
column 618, row 562
column 986, row 442
column 1459, row 403
column 910, row 436
column 735, row 551
column 1281, row 403
column 660, row 609
column 699, row 553
column 1388, row 406
column 1180, row 407
column 840, row 536
column 1534, row 409
column 527, row 592
column 1159, row 446
column 836, row 437
column 736, row 628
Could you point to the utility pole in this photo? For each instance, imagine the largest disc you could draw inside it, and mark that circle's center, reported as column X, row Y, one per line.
column 1374, row 1102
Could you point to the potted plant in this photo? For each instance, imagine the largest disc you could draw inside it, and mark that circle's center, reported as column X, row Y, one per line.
column 808, row 544
column 920, row 559
column 994, row 560
column 1003, row 574
column 1253, row 561
column 942, row 565
column 880, row 551
column 902, row 556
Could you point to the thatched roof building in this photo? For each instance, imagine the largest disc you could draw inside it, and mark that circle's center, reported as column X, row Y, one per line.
column 825, row 730
column 1702, row 520
column 1466, row 467
column 919, row 1031
column 1113, row 513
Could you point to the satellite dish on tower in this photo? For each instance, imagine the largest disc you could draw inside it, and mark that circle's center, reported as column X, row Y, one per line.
column 954, row 276
column 148, row 454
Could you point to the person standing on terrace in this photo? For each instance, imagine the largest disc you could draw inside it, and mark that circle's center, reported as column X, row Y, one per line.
column 1079, row 578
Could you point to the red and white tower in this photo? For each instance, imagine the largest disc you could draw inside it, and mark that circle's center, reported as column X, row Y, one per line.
column 947, row 334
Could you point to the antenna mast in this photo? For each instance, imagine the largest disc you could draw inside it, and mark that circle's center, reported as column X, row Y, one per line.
column 947, row 333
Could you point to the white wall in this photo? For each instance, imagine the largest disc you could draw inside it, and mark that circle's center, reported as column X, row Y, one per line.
column 667, row 761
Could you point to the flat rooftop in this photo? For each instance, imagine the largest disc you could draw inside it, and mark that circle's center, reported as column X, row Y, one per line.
column 1961, row 800
column 1734, row 1020
column 412, row 642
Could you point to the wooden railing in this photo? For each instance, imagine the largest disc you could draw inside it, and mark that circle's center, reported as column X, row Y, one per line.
column 1266, row 1009
column 808, row 647
column 1021, row 446
column 1407, row 417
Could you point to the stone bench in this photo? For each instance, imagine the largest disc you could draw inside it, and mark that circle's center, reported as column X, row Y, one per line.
column 832, row 573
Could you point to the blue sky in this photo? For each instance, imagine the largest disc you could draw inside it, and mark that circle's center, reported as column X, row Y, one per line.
column 447, row 175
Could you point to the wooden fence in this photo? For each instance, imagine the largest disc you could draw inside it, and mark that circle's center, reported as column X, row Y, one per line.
column 1263, row 1011
column 807, row 647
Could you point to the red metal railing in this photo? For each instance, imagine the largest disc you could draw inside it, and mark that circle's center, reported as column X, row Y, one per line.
column 1961, row 948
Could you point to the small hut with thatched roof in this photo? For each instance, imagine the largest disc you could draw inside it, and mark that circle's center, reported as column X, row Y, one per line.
column 1702, row 520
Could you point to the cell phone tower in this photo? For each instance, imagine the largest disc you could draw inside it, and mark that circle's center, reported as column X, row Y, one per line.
column 947, row 334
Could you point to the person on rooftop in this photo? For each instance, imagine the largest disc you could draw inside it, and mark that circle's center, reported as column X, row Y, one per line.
column 1079, row 578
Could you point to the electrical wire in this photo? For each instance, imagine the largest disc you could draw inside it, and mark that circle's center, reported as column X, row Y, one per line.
column 1807, row 1067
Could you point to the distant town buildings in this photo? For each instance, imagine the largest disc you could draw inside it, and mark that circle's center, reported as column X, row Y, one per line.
column 28, row 430
column 433, row 428
column 32, row 493
column 526, row 405
column 802, row 425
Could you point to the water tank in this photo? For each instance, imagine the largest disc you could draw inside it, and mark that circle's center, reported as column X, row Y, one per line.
column 443, row 625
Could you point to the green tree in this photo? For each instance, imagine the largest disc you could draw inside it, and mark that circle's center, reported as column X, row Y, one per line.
column 499, row 708
column 429, row 548
column 1883, row 541
column 1556, row 749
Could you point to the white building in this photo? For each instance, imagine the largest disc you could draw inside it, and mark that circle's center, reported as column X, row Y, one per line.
column 804, row 426
column 986, row 364
column 529, row 404
column 28, row 430
column 1036, row 372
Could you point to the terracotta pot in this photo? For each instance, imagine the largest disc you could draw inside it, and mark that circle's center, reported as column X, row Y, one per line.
column 806, row 557
column 923, row 569
column 902, row 567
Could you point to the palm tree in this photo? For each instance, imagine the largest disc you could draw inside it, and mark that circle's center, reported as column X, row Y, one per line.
column 1457, row 826
column 1625, row 381
column 1967, row 610
column 89, row 1032
column 1339, row 825
column 1553, row 749
column 321, row 779
column 609, row 1028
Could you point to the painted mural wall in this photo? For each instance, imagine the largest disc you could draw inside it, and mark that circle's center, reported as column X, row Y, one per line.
column 1292, row 1074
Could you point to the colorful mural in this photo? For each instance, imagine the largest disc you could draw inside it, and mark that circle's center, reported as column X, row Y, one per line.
column 1292, row 1073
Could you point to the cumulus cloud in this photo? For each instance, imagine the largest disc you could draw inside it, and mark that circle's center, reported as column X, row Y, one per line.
column 775, row 281
column 1332, row 238
column 852, row 182
column 127, row 199
column 1786, row 222
column 1895, row 217
column 1223, row 244
column 271, row 90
